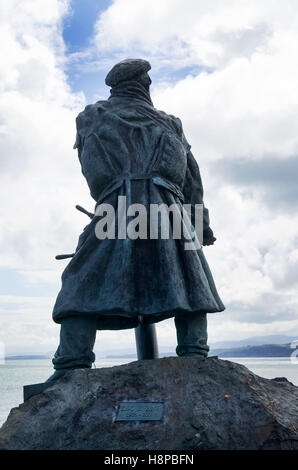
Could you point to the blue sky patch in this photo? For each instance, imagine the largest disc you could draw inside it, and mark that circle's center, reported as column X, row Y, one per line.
column 78, row 26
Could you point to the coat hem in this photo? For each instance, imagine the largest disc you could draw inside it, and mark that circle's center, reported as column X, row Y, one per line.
column 123, row 320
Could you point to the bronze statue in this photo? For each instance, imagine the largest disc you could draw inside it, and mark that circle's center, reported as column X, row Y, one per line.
column 128, row 148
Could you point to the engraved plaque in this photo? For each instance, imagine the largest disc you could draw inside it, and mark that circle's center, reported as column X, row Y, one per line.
column 139, row 411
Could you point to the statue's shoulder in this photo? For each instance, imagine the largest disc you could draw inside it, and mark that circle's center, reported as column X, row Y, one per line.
column 172, row 120
column 93, row 108
column 91, row 114
column 176, row 125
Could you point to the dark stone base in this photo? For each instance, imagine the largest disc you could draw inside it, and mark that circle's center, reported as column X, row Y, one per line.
column 206, row 405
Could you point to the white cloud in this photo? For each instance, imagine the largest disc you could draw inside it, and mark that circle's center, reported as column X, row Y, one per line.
column 193, row 31
column 25, row 325
column 40, row 175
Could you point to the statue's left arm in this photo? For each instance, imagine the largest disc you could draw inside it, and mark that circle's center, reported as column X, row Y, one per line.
column 194, row 193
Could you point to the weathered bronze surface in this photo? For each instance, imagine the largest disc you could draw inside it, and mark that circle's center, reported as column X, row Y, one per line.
column 127, row 147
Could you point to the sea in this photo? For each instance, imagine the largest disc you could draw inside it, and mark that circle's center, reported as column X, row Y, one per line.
column 16, row 373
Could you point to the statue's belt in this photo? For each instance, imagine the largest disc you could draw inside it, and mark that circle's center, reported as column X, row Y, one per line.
column 158, row 180
column 117, row 182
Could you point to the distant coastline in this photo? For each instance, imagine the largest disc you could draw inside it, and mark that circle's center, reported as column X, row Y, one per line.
column 31, row 357
column 262, row 350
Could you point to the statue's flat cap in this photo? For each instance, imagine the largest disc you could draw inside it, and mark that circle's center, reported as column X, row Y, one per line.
column 126, row 70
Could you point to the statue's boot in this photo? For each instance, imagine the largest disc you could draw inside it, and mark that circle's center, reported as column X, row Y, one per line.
column 192, row 335
column 75, row 351
column 33, row 390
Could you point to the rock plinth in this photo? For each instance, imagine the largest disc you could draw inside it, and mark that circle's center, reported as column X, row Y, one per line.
column 208, row 404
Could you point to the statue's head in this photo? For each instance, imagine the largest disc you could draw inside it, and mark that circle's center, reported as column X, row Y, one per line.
column 130, row 69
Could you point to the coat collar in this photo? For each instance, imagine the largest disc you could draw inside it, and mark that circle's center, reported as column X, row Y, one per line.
column 131, row 89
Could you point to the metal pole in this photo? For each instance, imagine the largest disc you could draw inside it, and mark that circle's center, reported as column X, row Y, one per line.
column 146, row 341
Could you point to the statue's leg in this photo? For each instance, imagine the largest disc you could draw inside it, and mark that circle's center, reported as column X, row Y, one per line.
column 192, row 335
column 146, row 341
column 75, row 351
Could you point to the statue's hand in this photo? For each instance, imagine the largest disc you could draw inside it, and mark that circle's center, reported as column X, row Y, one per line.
column 208, row 237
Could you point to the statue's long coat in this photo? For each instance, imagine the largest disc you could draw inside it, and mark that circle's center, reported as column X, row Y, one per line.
column 127, row 147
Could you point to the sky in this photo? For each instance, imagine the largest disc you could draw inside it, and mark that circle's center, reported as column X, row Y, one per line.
column 229, row 70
